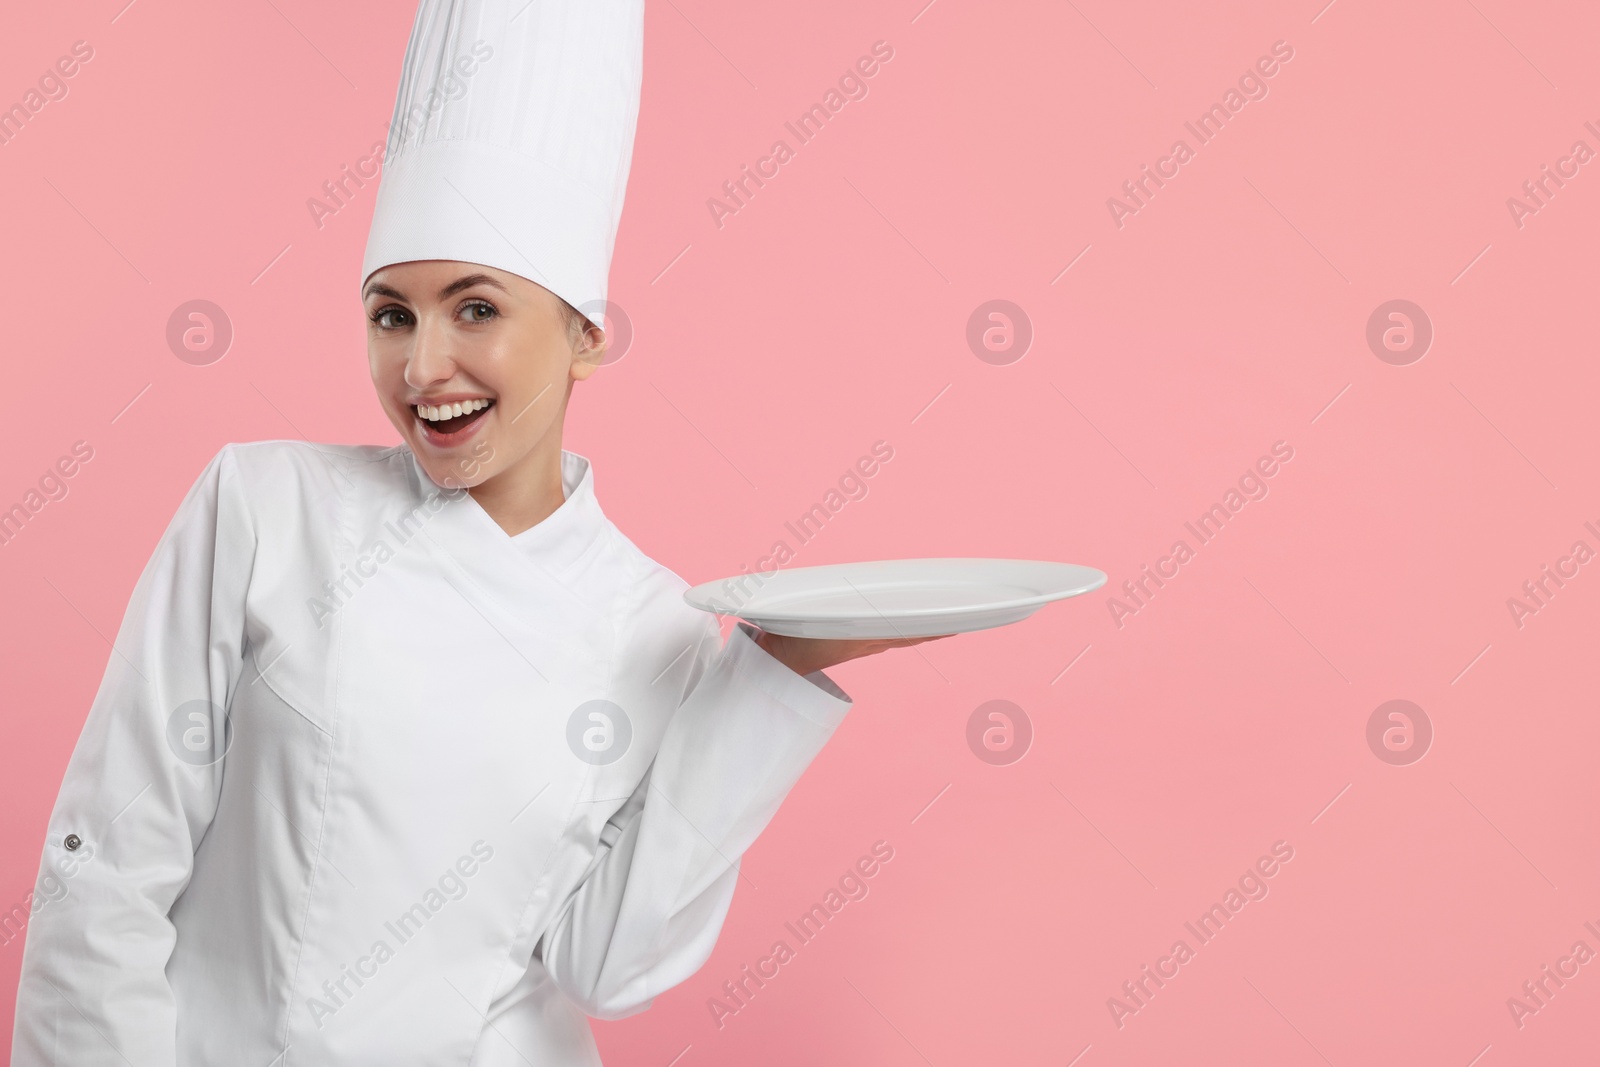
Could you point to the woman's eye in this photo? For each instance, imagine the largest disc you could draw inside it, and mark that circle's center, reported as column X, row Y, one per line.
column 390, row 318
column 478, row 311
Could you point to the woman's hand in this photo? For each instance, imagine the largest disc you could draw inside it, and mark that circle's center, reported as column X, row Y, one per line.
column 806, row 654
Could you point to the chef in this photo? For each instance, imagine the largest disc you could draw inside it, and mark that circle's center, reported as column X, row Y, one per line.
column 406, row 755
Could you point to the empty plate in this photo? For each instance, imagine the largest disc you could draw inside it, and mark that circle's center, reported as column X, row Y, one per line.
column 892, row 598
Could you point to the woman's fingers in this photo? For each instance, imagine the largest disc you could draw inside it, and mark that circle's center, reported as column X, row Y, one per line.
column 805, row 654
column 880, row 644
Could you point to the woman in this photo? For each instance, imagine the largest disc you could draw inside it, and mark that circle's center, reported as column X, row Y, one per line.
column 407, row 754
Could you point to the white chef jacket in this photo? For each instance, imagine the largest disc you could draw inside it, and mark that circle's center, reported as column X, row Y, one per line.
column 420, row 844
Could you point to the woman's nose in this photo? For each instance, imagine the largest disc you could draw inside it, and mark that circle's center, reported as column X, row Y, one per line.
column 430, row 360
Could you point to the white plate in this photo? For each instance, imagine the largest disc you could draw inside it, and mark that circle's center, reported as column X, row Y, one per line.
column 895, row 597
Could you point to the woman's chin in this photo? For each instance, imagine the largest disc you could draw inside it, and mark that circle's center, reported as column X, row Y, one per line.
column 454, row 467
column 451, row 474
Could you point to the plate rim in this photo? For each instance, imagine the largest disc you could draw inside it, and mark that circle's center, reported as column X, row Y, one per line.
column 1036, row 600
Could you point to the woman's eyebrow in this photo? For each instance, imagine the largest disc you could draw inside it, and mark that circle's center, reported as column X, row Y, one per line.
column 384, row 290
column 467, row 282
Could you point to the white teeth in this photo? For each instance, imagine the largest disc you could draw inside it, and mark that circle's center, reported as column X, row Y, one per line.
column 437, row 413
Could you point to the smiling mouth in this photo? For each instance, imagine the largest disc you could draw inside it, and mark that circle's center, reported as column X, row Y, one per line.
column 447, row 420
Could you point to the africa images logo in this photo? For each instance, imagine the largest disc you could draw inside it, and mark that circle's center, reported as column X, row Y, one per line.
column 452, row 885
column 452, row 84
column 852, row 85
column 1252, row 85
column 1137, row 993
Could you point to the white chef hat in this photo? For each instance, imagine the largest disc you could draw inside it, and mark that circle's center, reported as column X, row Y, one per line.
column 511, row 140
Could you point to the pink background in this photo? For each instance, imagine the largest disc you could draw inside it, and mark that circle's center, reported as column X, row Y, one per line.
column 1228, row 314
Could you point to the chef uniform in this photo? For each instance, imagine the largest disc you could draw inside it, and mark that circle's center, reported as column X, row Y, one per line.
column 369, row 781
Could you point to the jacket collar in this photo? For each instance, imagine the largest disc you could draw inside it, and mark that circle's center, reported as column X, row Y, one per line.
column 556, row 542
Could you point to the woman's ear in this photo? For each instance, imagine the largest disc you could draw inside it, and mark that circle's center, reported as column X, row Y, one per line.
column 588, row 352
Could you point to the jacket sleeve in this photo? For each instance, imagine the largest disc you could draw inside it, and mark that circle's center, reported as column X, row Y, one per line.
column 648, row 913
column 138, row 794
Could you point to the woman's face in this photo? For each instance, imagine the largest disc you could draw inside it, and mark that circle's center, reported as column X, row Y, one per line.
column 472, row 365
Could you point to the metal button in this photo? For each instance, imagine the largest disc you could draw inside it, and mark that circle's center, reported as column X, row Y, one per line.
column 72, row 842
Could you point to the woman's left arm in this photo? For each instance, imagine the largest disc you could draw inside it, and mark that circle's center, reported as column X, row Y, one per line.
column 648, row 914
